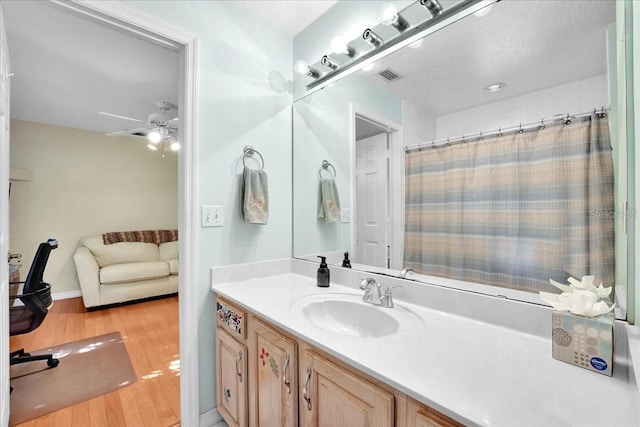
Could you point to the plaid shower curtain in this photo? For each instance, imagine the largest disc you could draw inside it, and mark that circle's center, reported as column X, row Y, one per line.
column 514, row 211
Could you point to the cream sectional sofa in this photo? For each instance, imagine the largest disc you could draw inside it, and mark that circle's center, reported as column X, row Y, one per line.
column 125, row 271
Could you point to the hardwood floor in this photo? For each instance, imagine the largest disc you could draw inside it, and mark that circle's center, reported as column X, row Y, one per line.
column 151, row 332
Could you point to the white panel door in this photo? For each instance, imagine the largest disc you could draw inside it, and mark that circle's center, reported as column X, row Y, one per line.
column 372, row 210
column 4, row 225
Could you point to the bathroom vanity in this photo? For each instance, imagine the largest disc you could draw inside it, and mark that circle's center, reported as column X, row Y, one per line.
column 290, row 353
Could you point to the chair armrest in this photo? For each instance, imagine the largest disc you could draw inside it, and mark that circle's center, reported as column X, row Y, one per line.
column 88, row 275
column 16, row 283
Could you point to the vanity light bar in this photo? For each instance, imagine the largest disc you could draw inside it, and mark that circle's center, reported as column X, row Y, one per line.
column 382, row 48
column 400, row 23
column 433, row 6
column 328, row 62
column 372, row 38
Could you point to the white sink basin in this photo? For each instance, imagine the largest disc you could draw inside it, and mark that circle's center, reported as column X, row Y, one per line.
column 351, row 318
column 346, row 314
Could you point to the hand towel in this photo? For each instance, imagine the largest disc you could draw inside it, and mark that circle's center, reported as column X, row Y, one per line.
column 255, row 205
column 329, row 209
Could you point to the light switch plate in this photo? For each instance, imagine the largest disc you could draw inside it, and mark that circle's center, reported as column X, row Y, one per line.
column 212, row 216
column 345, row 215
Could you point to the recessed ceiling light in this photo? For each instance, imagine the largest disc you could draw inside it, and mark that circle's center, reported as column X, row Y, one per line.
column 482, row 12
column 369, row 66
column 416, row 44
column 495, row 87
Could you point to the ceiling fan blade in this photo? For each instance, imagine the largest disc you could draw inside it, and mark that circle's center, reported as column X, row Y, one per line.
column 127, row 132
column 121, row 117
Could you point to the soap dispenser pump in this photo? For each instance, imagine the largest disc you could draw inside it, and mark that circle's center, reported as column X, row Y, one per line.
column 323, row 273
column 346, row 262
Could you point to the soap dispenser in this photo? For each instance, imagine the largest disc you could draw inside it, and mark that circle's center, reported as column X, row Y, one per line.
column 323, row 273
column 346, row 262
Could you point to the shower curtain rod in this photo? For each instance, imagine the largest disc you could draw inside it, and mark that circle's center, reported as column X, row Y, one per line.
column 541, row 124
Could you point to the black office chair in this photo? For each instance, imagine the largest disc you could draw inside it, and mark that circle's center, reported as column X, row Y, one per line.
column 36, row 297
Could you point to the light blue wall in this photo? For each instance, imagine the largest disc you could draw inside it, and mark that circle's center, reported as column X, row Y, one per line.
column 322, row 124
column 237, row 107
column 346, row 18
column 322, row 130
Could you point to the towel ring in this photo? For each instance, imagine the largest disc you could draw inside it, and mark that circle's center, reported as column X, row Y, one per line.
column 325, row 166
column 249, row 151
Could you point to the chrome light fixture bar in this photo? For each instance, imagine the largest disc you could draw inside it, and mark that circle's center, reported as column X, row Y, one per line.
column 372, row 38
column 433, row 6
column 328, row 62
column 382, row 48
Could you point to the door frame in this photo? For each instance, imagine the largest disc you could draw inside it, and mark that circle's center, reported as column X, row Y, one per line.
column 396, row 186
column 186, row 44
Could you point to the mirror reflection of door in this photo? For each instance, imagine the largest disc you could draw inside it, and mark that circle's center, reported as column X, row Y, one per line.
column 372, row 194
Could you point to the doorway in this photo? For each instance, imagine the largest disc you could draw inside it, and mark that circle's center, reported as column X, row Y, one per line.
column 185, row 44
column 378, row 189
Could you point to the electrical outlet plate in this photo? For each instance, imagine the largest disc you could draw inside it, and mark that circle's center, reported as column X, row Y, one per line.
column 212, row 216
column 345, row 215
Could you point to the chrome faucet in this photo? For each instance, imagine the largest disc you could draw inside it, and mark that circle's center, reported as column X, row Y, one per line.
column 373, row 294
column 403, row 273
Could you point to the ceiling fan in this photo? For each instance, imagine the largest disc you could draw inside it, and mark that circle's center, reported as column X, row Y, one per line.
column 159, row 128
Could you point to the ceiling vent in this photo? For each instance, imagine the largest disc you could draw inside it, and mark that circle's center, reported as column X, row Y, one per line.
column 389, row 75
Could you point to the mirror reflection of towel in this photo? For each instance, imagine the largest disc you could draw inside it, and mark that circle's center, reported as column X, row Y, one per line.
column 255, row 205
column 329, row 209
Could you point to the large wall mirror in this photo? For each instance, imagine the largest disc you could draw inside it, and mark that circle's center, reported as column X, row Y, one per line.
column 514, row 115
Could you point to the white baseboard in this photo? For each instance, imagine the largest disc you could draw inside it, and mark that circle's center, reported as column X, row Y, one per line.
column 56, row 297
column 67, row 295
column 210, row 418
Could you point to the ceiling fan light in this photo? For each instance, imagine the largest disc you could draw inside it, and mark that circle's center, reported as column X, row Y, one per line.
column 155, row 136
column 175, row 146
column 152, row 147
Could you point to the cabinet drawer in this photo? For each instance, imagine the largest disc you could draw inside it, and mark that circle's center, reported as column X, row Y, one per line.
column 231, row 318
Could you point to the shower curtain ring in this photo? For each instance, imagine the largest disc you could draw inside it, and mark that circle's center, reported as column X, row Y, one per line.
column 499, row 131
column 448, row 144
column 567, row 120
column 542, row 126
column 433, row 144
column 602, row 114
column 520, row 129
column 481, row 137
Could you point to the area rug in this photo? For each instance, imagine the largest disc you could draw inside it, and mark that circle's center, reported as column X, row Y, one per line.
column 88, row 368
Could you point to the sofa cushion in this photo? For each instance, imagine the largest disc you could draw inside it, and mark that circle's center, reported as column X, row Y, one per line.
column 173, row 265
column 168, row 250
column 118, row 253
column 132, row 271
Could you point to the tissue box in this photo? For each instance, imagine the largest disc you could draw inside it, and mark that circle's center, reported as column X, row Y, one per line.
column 584, row 341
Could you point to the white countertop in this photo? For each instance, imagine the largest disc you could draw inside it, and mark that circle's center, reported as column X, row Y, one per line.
column 475, row 372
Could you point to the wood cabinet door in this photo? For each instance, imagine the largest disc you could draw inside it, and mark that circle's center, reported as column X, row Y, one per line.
column 231, row 371
column 273, row 369
column 333, row 396
column 419, row 415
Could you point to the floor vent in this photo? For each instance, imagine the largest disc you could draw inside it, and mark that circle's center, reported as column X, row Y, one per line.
column 389, row 75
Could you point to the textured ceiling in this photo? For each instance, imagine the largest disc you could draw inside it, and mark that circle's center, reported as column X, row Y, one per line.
column 67, row 69
column 288, row 16
column 529, row 45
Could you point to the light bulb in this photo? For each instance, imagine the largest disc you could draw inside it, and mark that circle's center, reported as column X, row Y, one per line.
column 416, row 44
column 175, row 146
column 152, row 147
column 369, row 67
column 339, row 45
column 155, row 136
column 388, row 14
column 302, row 67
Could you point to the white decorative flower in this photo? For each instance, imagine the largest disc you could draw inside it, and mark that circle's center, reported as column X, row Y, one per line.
column 581, row 297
